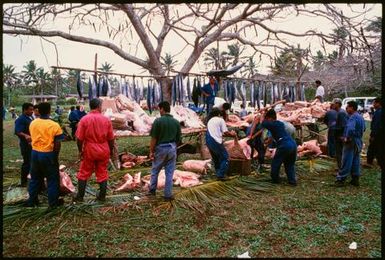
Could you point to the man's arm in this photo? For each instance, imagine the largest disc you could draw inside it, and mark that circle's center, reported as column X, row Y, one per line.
column 25, row 136
column 231, row 133
column 56, row 147
column 80, row 145
column 19, row 127
column 349, row 130
column 152, row 147
column 204, row 93
column 254, row 125
column 111, row 145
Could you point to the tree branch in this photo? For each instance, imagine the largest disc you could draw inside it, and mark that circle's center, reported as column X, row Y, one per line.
column 76, row 38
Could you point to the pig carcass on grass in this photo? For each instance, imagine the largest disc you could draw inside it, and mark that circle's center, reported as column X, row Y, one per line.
column 66, row 185
column 161, row 180
column 198, row 166
column 238, row 149
column 309, row 147
column 186, row 179
column 129, row 182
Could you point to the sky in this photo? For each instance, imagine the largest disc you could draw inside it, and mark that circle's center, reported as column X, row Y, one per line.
column 18, row 50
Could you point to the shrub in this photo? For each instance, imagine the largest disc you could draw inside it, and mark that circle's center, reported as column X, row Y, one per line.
column 72, row 101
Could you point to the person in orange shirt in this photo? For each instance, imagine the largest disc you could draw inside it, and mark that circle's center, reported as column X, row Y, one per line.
column 46, row 136
column 95, row 140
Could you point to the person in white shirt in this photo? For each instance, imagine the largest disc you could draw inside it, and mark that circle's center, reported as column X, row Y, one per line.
column 216, row 130
column 320, row 92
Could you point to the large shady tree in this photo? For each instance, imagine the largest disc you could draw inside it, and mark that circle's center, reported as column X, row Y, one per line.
column 150, row 26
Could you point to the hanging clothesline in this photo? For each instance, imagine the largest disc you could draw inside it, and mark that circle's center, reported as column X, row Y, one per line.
column 112, row 73
column 180, row 73
column 246, row 79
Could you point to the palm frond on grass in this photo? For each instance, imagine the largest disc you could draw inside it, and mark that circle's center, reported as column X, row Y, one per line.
column 199, row 198
column 314, row 165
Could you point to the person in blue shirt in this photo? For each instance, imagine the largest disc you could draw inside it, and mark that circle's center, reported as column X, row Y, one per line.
column 243, row 111
column 22, row 131
column 330, row 120
column 80, row 111
column 4, row 112
column 352, row 139
column 210, row 91
column 74, row 119
column 374, row 141
column 286, row 152
column 342, row 118
column 58, row 110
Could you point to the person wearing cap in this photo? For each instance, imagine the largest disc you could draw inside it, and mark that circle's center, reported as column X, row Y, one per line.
column 330, row 120
column 320, row 92
column 210, row 91
column 339, row 128
column 352, row 140
column 375, row 135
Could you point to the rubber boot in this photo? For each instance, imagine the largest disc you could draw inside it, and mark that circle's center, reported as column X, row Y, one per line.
column 355, row 181
column 81, row 190
column 102, row 191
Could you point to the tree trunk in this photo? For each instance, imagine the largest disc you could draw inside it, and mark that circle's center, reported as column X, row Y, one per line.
column 166, row 88
column 9, row 96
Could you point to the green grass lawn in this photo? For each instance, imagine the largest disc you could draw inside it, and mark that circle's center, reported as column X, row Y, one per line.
column 313, row 219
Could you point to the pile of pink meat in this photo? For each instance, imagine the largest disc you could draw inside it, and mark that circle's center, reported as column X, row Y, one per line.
column 129, row 160
column 239, row 149
column 129, row 119
column 66, row 185
column 298, row 112
column 301, row 112
column 189, row 177
column 310, row 148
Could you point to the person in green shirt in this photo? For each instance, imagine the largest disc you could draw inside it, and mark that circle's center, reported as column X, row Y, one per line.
column 165, row 135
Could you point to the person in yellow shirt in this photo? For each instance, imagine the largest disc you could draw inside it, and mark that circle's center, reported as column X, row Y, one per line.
column 46, row 136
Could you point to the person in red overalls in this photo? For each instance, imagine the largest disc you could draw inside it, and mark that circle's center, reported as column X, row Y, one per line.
column 95, row 140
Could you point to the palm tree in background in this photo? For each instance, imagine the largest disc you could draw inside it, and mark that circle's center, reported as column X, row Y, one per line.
column 57, row 80
column 30, row 75
column 10, row 77
column 250, row 67
column 44, row 80
column 234, row 53
column 168, row 63
column 106, row 67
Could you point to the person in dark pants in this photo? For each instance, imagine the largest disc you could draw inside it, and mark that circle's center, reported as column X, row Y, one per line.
column 46, row 136
column 352, row 139
column 216, row 129
column 13, row 112
column 210, row 91
column 286, row 152
column 165, row 135
column 256, row 143
column 74, row 119
column 4, row 112
column 374, row 141
column 330, row 120
column 342, row 118
column 22, row 131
